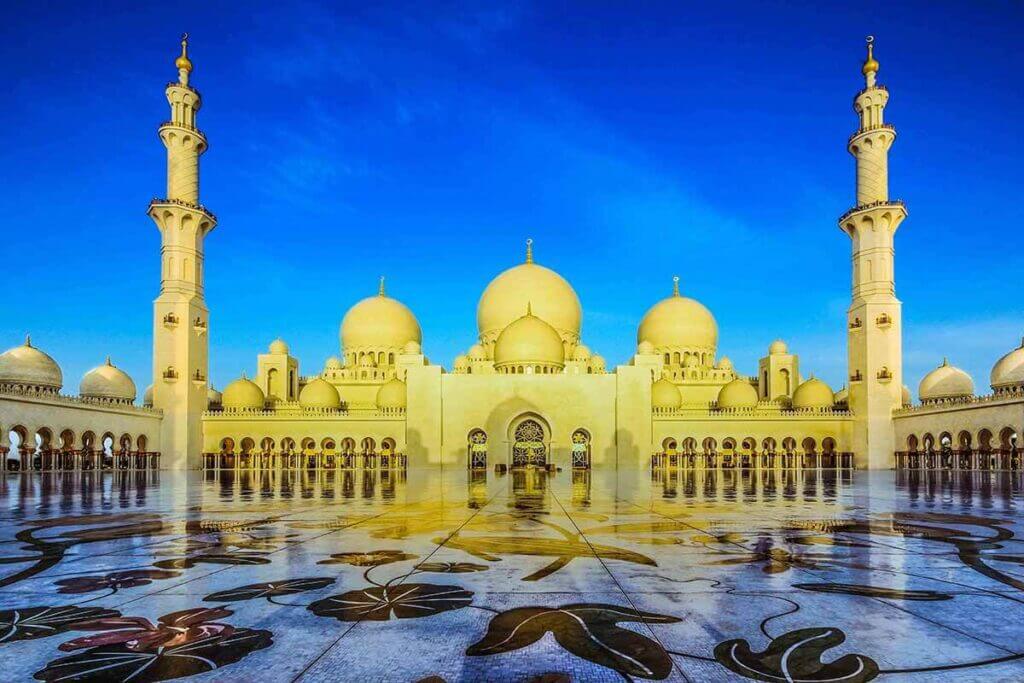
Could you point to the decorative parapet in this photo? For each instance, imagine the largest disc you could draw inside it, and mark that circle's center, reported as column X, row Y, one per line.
column 181, row 202
column 873, row 205
column 871, row 129
column 19, row 392
column 764, row 409
column 938, row 405
column 289, row 412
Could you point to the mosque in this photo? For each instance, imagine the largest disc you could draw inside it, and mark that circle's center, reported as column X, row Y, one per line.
column 528, row 391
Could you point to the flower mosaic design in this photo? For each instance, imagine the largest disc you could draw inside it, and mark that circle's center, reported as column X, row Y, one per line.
column 773, row 560
column 140, row 634
column 376, row 558
column 873, row 591
column 796, row 656
column 269, row 590
column 41, row 622
column 403, row 601
column 235, row 559
column 587, row 630
column 451, row 567
column 113, row 581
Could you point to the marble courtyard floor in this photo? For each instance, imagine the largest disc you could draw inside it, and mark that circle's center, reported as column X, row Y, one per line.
column 437, row 575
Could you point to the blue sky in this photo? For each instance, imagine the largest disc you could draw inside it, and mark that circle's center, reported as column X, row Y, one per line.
column 427, row 141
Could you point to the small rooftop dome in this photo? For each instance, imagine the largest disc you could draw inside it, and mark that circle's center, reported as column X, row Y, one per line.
column 738, row 393
column 319, row 393
column 945, row 381
column 243, row 394
column 278, row 346
column 392, row 394
column 108, row 383
column 813, row 394
column 665, row 395
column 778, row 347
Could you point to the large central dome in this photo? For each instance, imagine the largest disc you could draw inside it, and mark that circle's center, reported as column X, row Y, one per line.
column 552, row 299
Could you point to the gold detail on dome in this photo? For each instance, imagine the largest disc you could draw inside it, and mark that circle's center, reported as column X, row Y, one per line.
column 870, row 64
column 529, row 250
column 183, row 63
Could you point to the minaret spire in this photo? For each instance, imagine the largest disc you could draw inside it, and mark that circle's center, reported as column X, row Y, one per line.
column 529, row 250
column 870, row 68
column 182, row 63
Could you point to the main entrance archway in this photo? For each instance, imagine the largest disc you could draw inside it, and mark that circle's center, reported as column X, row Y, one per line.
column 529, row 444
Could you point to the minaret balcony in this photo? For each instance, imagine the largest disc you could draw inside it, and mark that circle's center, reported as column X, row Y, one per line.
column 199, row 325
column 198, row 378
column 170, row 374
column 871, row 206
column 182, row 203
column 856, row 377
column 884, row 321
column 856, row 324
column 884, row 375
column 871, row 129
column 181, row 124
column 170, row 321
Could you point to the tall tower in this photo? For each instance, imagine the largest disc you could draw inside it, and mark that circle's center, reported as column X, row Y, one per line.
column 875, row 353
column 180, row 316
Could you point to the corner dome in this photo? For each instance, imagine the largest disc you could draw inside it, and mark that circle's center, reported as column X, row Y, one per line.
column 529, row 341
column 461, row 363
column 392, row 394
column 582, row 353
column 107, row 382
column 147, row 397
column 1009, row 370
column 841, row 396
column 319, row 393
column 243, row 394
column 553, row 299
column 644, row 348
column 477, row 353
column 945, row 381
column 597, row 362
column 412, row 348
column 739, row 393
column 679, row 322
column 665, row 395
column 725, row 363
column 813, row 393
column 379, row 322
column 777, row 347
column 213, row 397
column 278, row 346
column 905, row 398
column 27, row 366
column 333, row 363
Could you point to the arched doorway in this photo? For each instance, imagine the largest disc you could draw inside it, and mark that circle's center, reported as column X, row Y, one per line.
column 477, row 449
column 581, row 449
column 529, row 444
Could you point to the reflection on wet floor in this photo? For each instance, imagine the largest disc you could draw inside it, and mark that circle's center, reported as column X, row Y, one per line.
column 457, row 575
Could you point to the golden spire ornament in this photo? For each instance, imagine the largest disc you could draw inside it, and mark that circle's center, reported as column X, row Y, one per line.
column 529, row 250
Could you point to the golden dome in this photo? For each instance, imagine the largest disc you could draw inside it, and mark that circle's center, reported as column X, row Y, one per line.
column 213, row 397
column 461, row 363
column 243, row 394
column 870, row 64
column 278, row 346
column 392, row 394
column 738, row 393
column 379, row 322
column 813, row 394
column 147, row 397
column 28, row 366
column 645, row 347
column 529, row 341
column 777, row 347
column 678, row 322
column 319, row 393
column 841, row 396
column 597, row 362
column 412, row 348
column 107, row 382
column 553, row 299
column 725, row 363
column 1009, row 370
column 476, row 352
column 582, row 353
column 945, row 381
column 665, row 395
column 183, row 62
column 333, row 363
column 905, row 397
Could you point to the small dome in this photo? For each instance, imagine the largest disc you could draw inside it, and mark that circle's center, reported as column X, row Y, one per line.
column 738, row 393
column 461, row 363
column 278, row 346
column 665, row 395
column 319, row 393
column 147, row 397
column 529, row 340
column 777, row 347
column 28, row 366
column 1009, row 370
column 333, row 363
column 379, row 322
column 412, row 348
column 243, row 394
column 813, row 394
column 679, row 322
column 644, row 348
column 725, row 363
column 477, row 353
column 213, row 397
column 392, row 394
column 597, row 362
column 582, row 353
column 551, row 296
column 107, row 382
column 841, row 396
column 945, row 381
column 905, row 397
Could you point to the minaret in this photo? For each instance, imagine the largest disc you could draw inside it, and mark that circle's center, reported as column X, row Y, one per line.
column 180, row 316
column 874, row 325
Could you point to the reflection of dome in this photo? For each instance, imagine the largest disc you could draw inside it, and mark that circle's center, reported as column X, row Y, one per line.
column 333, row 363
column 507, row 296
column 679, row 322
column 243, row 394
column 778, row 346
column 905, row 396
column 945, row 381
column 278, row 346
column 738, row 393
column 392, row 394
column 213, row 397
column 665, row 395
column 147, row 397
column 1009, row 370
column 529, row 341
column 319, row 393
column 813, row 394
column 107, row 382
column 379, row 322
column 28, row 366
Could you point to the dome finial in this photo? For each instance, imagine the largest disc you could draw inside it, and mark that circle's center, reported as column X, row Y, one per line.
column 380, row 290
column 28, row 339
column 529, row 250
column 675, row 285
column 183, row 64
column 870, row 67
column 108, row 361
column 945, row 362
column 529, row 308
